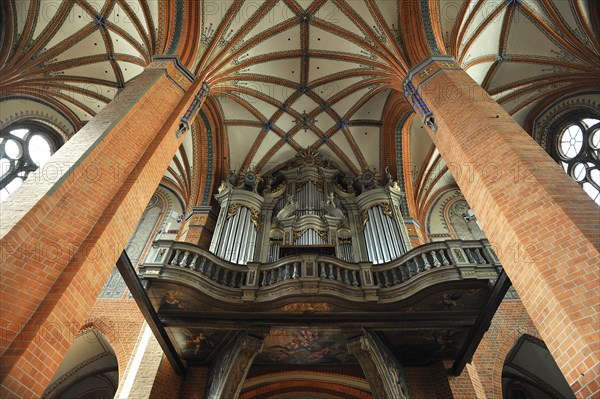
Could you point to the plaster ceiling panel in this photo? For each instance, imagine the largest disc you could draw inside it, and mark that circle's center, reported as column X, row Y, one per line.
column 188, row 147
column 368, row 143
column 537, row 43
column 240, row 139
column 444, row 181
column 122, row 20
column 233, row 110
column 21, row 11
column 373, row 108
column 448, row 16
column 47, row 11
column 361, row 9
column 507, row 72
column 93, row 44
column 85, row 100
column 154, row 13
column 245, row 12
column 321, row 40
column 389, row 11
column 331, row 14
column 279, row 13
column 137, row 9
column 285, row 153
column 326, row 90
column 329, row 154
column 468, row 12
column 305, row 4
column 77, row 19
column 568, row 14
column 261, row 106
column 213, row 13
column 95, row 89
column 123, row 46
column 340, row 140
column 269, row 141
column 288, row 40
column 286, row 122
column 420, row 145
column 81, row 114
column 99, row 70
column 329, row 66
column 304, row 103
column 324, row 122
column 488, row 40
column 514, row 103
column 11, row 110
column 344, row 105
column 481, row 15
column 130, row 70
column 305, row 139
column 522, row 115
column 539, row 9
column 288, row 69
column 478, row 72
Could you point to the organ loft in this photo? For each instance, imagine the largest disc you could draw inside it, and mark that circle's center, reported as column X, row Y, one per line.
column 280, row 199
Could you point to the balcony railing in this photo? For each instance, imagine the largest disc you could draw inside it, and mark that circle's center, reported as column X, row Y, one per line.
column 316, row 274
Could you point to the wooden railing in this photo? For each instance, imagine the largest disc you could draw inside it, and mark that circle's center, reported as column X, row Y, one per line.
column 441, row 261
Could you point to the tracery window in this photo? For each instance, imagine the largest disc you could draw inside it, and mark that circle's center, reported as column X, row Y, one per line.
column 577, row 148
column 24, row 147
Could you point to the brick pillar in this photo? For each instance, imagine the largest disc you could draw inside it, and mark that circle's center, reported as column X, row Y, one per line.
column 544, row 228
column 63, row 230
column 199, row 227
column 465, row 386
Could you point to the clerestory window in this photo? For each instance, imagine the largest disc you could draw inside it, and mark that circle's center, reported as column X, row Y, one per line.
column 24, row 147
column 577, row 148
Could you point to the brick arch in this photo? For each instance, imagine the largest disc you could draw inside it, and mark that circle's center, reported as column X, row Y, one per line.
column 502, row 350
column 318, row 384
column 110, row 335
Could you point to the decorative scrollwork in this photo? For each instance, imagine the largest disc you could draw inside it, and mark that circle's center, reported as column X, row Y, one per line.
column 232, row 210
column 387, row 209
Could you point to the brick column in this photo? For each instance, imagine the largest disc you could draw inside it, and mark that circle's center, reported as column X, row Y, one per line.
column 544, row 228
column 64, row 229
column 199, row 227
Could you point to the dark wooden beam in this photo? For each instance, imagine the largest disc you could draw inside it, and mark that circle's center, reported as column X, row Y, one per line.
column 482, row 324
column 139, row 294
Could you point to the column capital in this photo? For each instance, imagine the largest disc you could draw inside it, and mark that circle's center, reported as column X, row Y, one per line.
column 176, row 72
column 418, row 76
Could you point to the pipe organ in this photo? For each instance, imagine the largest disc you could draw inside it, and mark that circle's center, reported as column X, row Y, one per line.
column 309, row 206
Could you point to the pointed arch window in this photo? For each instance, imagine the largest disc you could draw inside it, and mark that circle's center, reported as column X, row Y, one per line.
column 24, row 147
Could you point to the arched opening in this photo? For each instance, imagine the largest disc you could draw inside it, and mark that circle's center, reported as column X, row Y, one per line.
column 88, row 370
column 530, row 372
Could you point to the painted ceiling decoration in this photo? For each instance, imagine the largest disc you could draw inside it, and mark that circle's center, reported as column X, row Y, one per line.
column 286, row 75
column 75, row 56
column 292, row 75
column 525, row 53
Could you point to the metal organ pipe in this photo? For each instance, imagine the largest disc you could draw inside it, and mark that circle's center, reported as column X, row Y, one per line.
column 239, row 237
column 382, row 236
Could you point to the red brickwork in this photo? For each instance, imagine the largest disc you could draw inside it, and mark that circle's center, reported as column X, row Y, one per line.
column 544, row 228
column 167, row 384
column 120, row 320
column 71, row 231
column 419, row 383
column 194, row 385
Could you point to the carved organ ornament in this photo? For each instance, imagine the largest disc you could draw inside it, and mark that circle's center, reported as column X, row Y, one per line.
column 309, row 205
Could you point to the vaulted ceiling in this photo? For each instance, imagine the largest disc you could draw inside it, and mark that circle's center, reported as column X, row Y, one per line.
column 287, row 75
